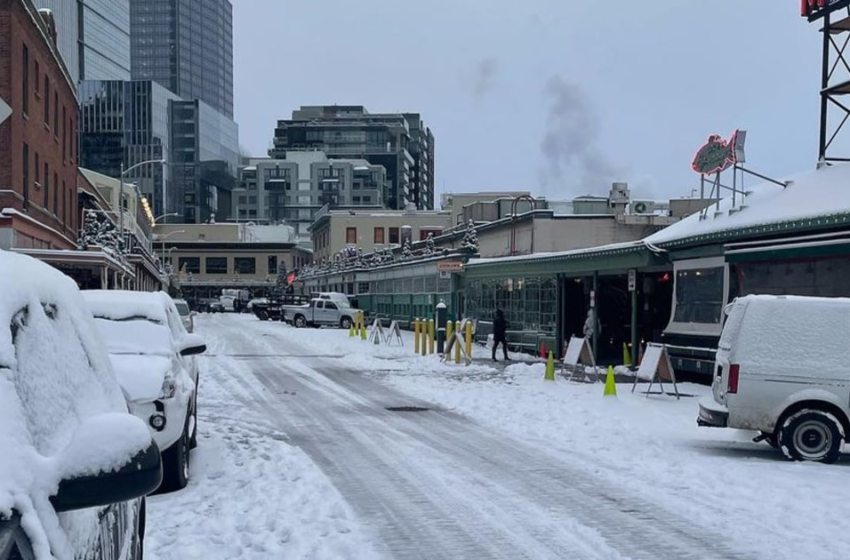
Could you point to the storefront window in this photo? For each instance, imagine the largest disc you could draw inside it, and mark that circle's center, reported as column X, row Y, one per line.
column 699, row 296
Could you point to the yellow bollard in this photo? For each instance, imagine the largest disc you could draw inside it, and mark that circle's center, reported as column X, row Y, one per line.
column 449, row 330
column 416, row 336
column 362, row 326
column 458, row 334
column 469, row 339
column 431, row 341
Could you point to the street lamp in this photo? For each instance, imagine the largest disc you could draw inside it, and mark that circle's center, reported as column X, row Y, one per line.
column 121, row 190
column 163, row 237
column 158, row 218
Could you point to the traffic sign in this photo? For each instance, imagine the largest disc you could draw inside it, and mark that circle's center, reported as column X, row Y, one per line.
column 5, row 110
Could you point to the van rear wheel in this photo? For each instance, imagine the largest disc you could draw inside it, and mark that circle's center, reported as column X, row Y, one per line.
column 811, row 435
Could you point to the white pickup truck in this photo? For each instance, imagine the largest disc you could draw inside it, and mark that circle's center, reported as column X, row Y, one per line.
column 322, row 312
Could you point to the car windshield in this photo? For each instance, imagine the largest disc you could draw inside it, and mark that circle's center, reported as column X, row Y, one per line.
column 135, row 336
column 182, row 308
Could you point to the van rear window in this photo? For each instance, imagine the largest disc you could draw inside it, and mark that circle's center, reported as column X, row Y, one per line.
column 732, row 326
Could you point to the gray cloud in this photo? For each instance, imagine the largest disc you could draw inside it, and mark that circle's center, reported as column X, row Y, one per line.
column 485, row 72
column 569, row 143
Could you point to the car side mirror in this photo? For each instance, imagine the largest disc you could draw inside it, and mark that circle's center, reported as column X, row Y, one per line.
column 112, row 458
column 192, row 344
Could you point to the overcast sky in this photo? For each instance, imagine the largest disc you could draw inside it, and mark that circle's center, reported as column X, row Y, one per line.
column 559, row 97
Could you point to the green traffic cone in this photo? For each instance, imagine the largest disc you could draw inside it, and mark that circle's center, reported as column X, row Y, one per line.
column 610, row 386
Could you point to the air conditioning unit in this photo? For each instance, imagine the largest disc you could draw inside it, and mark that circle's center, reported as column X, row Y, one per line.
column 643, row 207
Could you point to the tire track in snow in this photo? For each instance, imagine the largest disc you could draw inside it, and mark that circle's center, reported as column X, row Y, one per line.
column 437, row 485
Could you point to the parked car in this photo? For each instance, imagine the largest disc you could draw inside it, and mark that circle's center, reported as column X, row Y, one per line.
column 186, row 314
column 783, row 369
column 153, row 356
column 75, row 465
column 323, row 312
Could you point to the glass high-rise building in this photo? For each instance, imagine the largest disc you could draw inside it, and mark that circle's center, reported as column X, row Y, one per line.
column 134, row 121
column 186, row 46
column 104, row 48
column 93, row 37
column 128, row 122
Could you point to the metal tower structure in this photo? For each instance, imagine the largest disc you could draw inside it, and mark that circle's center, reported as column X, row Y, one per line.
column 835, row 74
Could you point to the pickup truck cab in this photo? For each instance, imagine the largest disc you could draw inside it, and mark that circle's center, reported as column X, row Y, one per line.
column 322, row 312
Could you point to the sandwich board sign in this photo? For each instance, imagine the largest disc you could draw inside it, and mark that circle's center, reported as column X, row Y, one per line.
column 656, row 367
column 394, row 335
column 377, row 335
column 5, row 110
column 578, row 356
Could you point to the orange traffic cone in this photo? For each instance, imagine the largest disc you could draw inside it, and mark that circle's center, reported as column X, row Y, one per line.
column 543, row 349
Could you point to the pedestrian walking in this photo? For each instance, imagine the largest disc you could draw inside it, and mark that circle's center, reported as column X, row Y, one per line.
column 500, row 328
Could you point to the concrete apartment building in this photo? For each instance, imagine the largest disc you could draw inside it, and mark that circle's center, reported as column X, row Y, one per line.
column 38, row 144
column 400, row 142
column 370, row 230
column 292, row 190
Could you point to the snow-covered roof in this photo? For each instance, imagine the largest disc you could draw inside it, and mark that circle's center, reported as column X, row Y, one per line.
column 118, row 304
column 821, row 193
column 574, row 253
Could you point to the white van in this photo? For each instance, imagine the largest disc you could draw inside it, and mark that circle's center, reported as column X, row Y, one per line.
column 783, row 369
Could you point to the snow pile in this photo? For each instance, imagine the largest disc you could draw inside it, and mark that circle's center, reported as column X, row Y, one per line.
column 141, row 377
column 95, row 449
column 250, row 495
column 118, row 304
column 811, row 194
column 136, row 336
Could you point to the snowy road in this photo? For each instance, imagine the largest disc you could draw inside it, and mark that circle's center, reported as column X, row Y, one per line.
column 433, row 484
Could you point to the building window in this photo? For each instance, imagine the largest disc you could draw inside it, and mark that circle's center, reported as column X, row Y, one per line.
column 191, row 264
column 363, row 287
column 64, row 213
column 64, row 135
column 46, row 186
column 379, row 236
column 216, row 265
column 272, row 264
column 55, row 113
column 55, row 193
column 72, row 132
column 37, row 76
column 245, row 265
column 351, row 235
column 394, row 235
column 46, row 100
column 37, row 169
column 25, row 82
column 26, row 175
column 423, row 233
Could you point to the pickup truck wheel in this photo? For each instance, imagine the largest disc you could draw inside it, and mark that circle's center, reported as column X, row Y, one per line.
column 811, row 435
column 263, row 316
column 300, row 322
column 345, row 323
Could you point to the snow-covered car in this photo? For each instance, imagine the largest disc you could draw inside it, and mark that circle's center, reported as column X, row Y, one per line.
column 75, row 465
column 154, row 359
column 187, row 316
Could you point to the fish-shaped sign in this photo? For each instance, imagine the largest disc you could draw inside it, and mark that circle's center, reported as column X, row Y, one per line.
column 716, row 155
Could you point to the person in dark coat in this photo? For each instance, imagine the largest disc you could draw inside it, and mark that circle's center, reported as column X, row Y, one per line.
column 500, row 327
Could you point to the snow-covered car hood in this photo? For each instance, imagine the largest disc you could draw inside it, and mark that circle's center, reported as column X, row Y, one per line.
column 141, row 376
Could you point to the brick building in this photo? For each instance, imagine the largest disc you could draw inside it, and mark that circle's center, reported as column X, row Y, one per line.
column 38, row 146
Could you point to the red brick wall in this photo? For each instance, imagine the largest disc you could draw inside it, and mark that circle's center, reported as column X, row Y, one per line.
column 58, row 211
